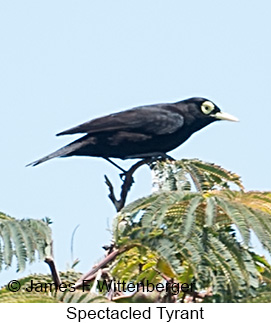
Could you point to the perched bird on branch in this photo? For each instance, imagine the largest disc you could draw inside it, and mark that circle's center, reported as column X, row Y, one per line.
column 142, row 132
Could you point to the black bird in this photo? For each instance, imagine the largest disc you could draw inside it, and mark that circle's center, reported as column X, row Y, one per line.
column 141, row 132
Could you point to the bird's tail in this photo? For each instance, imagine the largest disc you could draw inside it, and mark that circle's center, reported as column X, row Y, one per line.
column 64, row 151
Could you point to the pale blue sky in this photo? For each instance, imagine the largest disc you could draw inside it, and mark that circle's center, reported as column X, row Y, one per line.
column 66, row 62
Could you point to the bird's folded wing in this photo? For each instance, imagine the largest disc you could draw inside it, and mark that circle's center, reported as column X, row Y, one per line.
column 156, row 119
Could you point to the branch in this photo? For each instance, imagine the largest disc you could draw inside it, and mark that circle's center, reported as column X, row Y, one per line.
column 126, row 186
column 95, row 269
column 51, row 263
column 111, row 256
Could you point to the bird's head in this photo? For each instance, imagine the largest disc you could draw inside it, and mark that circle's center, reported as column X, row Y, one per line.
column 204, row 111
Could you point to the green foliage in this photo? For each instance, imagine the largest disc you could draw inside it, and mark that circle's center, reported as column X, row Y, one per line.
column 204, row 176
column 23, row 297
column 81, row 297
column 195, row 229
column 22, row 239
column 44, row 290
column 193, row 232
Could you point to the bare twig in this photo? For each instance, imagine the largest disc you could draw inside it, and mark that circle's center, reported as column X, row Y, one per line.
column 73, row 233
column 51, row 263
column 126, row 186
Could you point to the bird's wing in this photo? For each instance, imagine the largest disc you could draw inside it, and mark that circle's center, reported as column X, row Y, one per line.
column 156, row 119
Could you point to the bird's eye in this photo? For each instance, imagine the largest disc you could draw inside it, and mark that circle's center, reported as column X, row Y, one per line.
column 207, row 107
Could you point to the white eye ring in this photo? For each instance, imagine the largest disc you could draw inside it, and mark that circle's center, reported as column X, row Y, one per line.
column 207, row 107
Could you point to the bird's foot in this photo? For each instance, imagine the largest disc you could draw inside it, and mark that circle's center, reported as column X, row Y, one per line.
column 164, row 157
column 152, row 156
column 122, row 175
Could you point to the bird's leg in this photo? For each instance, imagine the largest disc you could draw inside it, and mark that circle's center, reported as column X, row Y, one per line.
column 151, row 157
column 116, row 165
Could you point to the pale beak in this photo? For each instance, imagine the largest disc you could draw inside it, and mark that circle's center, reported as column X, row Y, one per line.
column 224, row 116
